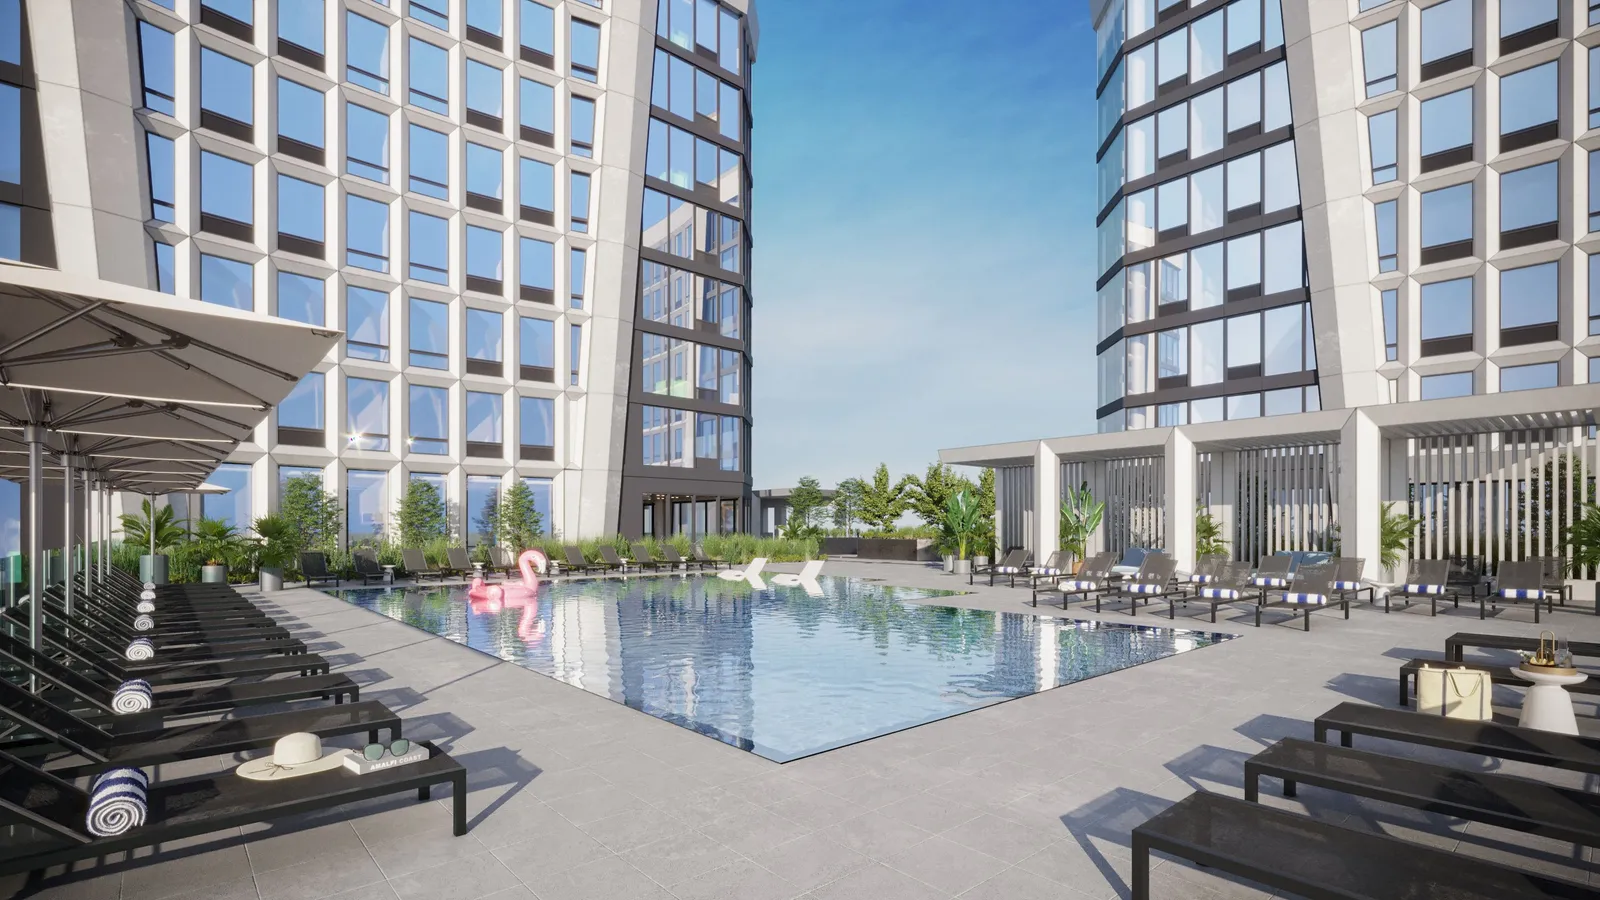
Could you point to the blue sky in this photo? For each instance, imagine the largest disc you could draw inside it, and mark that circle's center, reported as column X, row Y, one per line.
column 924, row 231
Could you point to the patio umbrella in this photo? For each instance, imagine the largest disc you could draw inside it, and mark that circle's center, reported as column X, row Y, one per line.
column 109, row 362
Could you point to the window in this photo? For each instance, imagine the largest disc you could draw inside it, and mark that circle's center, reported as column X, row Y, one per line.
column 732, row 432
column 366, row 50
column 1172, row 59
column 1205, row 47
column 1455, row 384
column 1378, row 57
column 159, row 151
column 536, row 349
column 234, row 506
column 1283, row 259
column 1447, row 317
column 1275, row 97
column 1141, row 82
column 1206, row 123
column 300, row 125
column 1244, row 26
column 1244, row 186
column 575, row 353
column 1447, row 130
column 1529, row 205
column 1529, row 378
column 1172, row 358
column 536, row 267
column 428, row 254
column 1594, row 361
column 1206, row 276
column 1283, row 341
column 536, row 426
column 581, row 122
column 731, row 51
column 429, row 328
column 584, row 48
column 1383, row 142
column 300, row 216
column 226, row 205
column 428, row 420
column 1390, row 301
column 304, row 405
column 484, row 16
column 300, row 298
column 1528, row 106
column 483, row 492
column 1386, row 223
column 485, row 340
column 536, row 33
column 1529, row 304
column 485, row 178
column 537, row 112
column 366, row 504
column 729, row 379
column 366, row 233
column 1244, row 266
column 300, row 24
column 237, row 10
column 1206, row 353
column 580, row 203
column 1244, row 104
column 1205, row 200
column 485, row 423
column 485, row 259
column 366, row 324
column 1244, row 346
column 537, row 191
column 1172, row 133
column 578, row 271
column 155, row 68
column 1447, row 223
column 227, row 93
column 485, row 95
column 1244, row 406
column 1594, row 295
column 227, row 282
column 1446, row 38
column 1520, row 16
column 432, row 12
column 1594, row 81
column 366, row 135
column 11, row 32
column 1282, row 177
column 11, row 239
column 428, row 76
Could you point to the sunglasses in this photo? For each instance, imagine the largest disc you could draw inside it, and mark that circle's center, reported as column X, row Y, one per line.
column 375, row 752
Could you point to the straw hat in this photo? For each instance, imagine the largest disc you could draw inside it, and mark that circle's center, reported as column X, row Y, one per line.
column 294, row 754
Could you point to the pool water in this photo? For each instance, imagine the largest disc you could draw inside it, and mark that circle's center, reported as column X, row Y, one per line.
column 776, row 670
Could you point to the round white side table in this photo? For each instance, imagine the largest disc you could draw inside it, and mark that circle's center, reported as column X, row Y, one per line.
column 1548, row 706
column 388, row 574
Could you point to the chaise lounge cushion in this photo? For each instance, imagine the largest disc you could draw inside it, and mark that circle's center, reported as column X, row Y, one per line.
column 1079, row 585
column 1422, row 589
column 1270, row 581
column 1219, row 593
column 1347, row 585
column 1146, row 588
column 1522, row 594
column 1305, row 599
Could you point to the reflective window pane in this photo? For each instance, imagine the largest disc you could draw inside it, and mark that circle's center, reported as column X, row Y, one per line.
column 366, row 324
column 1386, row 223
column 366, row 143
column 1529, row 98
column 226, row 86
column 584, row 50
column 429, row 162
column 300, row 298
column 366, row 48
column 1383, row 143
column 1378, row 58
column 1446, row 309
column 1438, row 387
column 428, row 76
column 300, row 208
column 226, row 188
column 1529, row 295
column 227, row 282
column 1529, row 197
column 1446, row 30
column 1517, row 16
column 1205, row 47
column 1447, row 122
column 156, row 68
column 366, row 233
column 304, row 405
column 429, row 248
column 1529, row 378
column 428, row 419
column 428, row 326
column 367, row 413
column 484, row 89
column 536, row 422
column 1447, row 215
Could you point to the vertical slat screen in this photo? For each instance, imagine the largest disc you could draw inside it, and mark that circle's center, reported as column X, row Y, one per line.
column 1285, row 498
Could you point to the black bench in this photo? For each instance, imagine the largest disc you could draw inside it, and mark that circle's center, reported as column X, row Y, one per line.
column 1455, row 644
column 1512, row 742
column 1314, row 859
column 1505, row 801
column 1497, row 674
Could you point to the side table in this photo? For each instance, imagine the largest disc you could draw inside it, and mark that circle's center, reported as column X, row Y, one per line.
column 1548, row 706
column 388, row 574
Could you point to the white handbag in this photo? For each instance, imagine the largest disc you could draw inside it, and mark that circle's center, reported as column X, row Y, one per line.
column 1459, row 693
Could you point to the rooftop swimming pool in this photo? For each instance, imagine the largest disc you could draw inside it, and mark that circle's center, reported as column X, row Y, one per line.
column 780, row 671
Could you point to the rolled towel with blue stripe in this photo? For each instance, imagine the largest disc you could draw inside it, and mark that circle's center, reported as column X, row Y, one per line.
column 132, row 697
column 117, row 802
column 150, row 586
column 145, row 606
column 143, row 622
column 147, row 594
column 139, row 650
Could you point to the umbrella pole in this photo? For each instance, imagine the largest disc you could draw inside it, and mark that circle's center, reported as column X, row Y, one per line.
column 68, row 492
column 88, row 536
column 34, row 435
column 105, row 529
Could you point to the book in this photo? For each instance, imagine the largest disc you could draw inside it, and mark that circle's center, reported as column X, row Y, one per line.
column 360, row 765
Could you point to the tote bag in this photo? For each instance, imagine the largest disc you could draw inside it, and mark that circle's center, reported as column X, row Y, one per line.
column 1454, row 693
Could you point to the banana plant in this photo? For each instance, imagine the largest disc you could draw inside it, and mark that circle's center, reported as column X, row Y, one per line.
column 962, row 521
column 1394, row 534
column 1080, row 519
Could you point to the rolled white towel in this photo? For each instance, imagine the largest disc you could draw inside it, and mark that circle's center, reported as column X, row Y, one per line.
column 132, row 697
column 149, row 585
column 145, row 606
column 117, row 802
column 144, row 623
column 140, row 649
column 147, row 594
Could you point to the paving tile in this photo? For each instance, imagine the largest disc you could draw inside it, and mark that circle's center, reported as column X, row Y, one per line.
column 83, row 885
column 178, row 875
column 634, row 828
column 877, row 882
column 596, row 804
column 548, row 849
column 811, row 861
column 816, row 808
column 511, row 822
column 1000, row 838
column 1077, row 864
column 275, row 851
column 706, row 806
column 751, row 832
column 678, row 857
column 379, row 891
column 931, row 813
column 1015, row 884
column 423, row 850
column 611, row 878
column 320, row 878
column 946, row 865
column 739, row 880
column 876, row 835
column 468, row 878
column 243, row 889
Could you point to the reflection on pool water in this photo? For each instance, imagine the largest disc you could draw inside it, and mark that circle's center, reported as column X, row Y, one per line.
column 776, row 670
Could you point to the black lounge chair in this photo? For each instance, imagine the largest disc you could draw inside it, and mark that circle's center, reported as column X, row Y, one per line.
column 1313, row 589
column 643, row 557
column 1511, row 742
column 1011, row 563
column 1272, row 572
column 501, row 561
column 185, row 807
column 1347, row 572
column 1153, row 582
column 1094, row 575
column 1311, row 858
column 1555, row 579
column 171, row 651
column 165, row 631
column 1424, row 578
column 613, row 562
column 700, row 557
column 1207, row 568
column 1505, row 801
column 417, row 566
column 366, row 565
column 1231, row 584
column 457, row 561
column 1455, row 644
column 314, row 567
column 576, row 561
column 1520, row 582
column 673, row 559
column 1056, row 565
column 113, row 742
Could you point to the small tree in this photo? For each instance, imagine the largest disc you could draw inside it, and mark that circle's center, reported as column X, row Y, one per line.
column 421, row 519
column 136, row 529
column 961, row 521
column 1394, row 534
column 804, row 502
column 313, row 514
column 984, row 545
column 1079, row 520
column 1208, row 535
column 488, row 520
column 929, row 497
column 847, row 504
column 517, row 519
column 883, row 501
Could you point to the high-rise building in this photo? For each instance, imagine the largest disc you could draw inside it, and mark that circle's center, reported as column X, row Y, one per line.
column 529, row 217
column 1345, row 259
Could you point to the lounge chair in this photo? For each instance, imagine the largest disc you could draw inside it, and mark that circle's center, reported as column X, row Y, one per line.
column 674, row 558
column 1424, row 578
column 1272, row 572
column 700, row 557
column 457, row 562
column 749, row 572
column 417, row 565
column 1347, row 572
column 314, row 567
column 808, row 572
column 643, row 557
column 1511, row 742
column 1498, row 674
column 1520, row 582
column 1231, row 584
column 1455, row 644
column 164, row 628
column 1313, row 589
column 366, row 566
column 1153, row 581
column 613, row 562
column 185, row 648
column 576, row 562
column 500, row 560
column 1094, row 575
column 1555, row 579
column 1055, row 565
column 185, row 807
column 1132, row 559
column 1012, row 562
column 1206, row 568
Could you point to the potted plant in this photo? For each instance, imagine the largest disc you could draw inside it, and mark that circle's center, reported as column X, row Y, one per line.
column 275, row 550
column 1208, row 535
column 962, row 522
column 216, row 541
column 1394, row 533
column 157, row 530
column 1584, row 536
column 1080, row 519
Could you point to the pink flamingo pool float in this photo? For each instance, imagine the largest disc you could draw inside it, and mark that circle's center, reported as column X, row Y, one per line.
column 492, row 598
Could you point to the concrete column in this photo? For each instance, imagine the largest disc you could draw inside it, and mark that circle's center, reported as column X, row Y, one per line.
column 1180, row 499
column 1361, row 489
column 1046, row 502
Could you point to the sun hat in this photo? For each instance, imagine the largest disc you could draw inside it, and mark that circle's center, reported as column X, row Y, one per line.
column 294, row 754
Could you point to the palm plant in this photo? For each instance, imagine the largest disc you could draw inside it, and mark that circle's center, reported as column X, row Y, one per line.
column 216, row 541
column 1394, row 534
column 1080, row 519
column 136, row 530
column 1208, row 535
column 1585, row 539
column 962, row 521
column 275, row 542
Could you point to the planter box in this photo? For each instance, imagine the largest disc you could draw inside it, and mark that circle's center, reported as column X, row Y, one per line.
column 905, row 549
column 213, row 574
column 841, row 546
column 271, row 580
column 153, row 569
